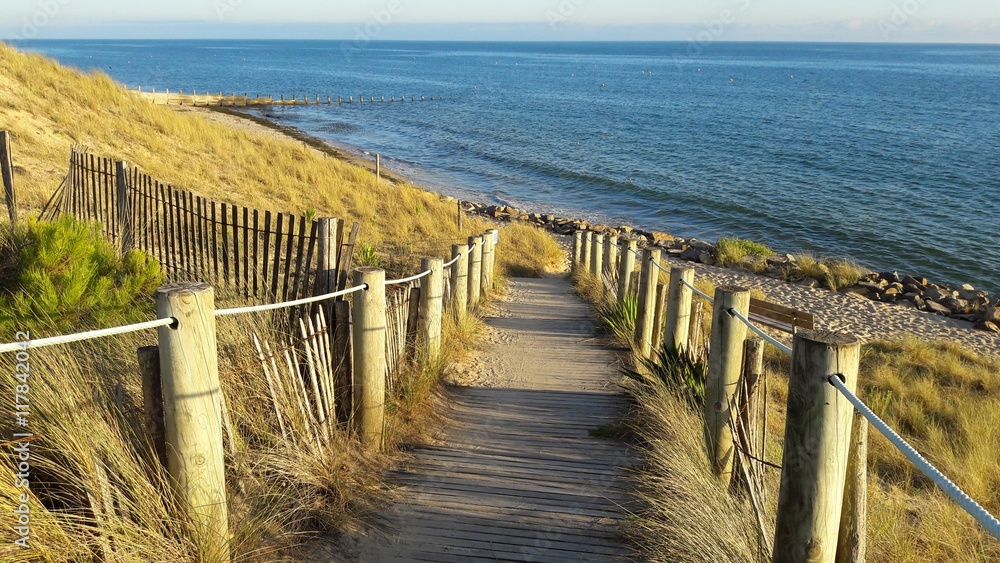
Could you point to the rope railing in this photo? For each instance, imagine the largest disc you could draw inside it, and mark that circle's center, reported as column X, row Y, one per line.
column 706, row 296
column 287, row 304
column 760, row 332
column 974, row 509
column 409, row 279
column 81, row 336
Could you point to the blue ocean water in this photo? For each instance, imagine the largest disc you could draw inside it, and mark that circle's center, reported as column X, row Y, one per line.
column 887, row 153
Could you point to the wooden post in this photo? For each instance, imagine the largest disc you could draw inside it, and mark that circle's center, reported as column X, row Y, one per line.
column 343, row 391
column 659, row 314
column 626, row 267
column 611, row 254
column 369, row 357
column 816, row 448
column 678, row 318
column 475, row 270
column 461, row 214
column 647, row 301
column 588, row 239
column 851, row 545
column 459, row 281
column 577, row 249
column 486, row 272
column 125, row 233
column 7, row 172
column 597, row 255
column 327, row 247
column 725, row 364
column 494, row 256
column 431, row 307
column 152, row 400
column 378, row 166
column 192, row 412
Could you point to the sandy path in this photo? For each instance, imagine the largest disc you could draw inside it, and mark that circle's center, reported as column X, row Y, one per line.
column 517, row 476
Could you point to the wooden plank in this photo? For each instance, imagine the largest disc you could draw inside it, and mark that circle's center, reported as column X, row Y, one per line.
column 289, row 248
column 236, row 248
column 167, row 228
column 265, row 264
column 346, row 259
column 224, row 212
column 300, row 256
column 215, row 243
column 277, row 256
column 245, row 228
column 184, row 215
column 255, row 260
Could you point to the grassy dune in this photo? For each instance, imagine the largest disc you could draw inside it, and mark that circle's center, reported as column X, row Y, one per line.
column 48, row 107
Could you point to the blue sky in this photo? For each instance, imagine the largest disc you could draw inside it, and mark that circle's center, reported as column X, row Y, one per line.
column 960, row 21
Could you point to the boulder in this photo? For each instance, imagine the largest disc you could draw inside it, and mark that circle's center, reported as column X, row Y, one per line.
column 692, row 254
column 706, row 258
column 700, row 244
column 914, row 281
column 937, row 293
column 907, row 303
column 955, row 305
column 660, row 237
column 625, row 229
column 891, row 277
column 969, row 293
column 937, row 308
column 991, row 314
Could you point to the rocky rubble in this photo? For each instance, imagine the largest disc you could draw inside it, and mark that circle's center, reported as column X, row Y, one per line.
column 962, row 302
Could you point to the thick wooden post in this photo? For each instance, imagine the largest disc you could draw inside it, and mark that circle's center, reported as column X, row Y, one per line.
column 678, row 319
column 475, row 270
column 7, row 174
column 597, row 255
column 327, row 234
column 659, row 314
column 725, row 364
column 192, row 412
column 494, row 256
column 125, row 231
column 486, row 277
column 588, row 239
column 817, row 444
column 577, row 249
column 378, row 166
column 369, row 356
column 152, row 400
column 611, row 254
column 647, row 301
column 851, row 545
column 626, row 267
column 431, row 307
column 459, row 281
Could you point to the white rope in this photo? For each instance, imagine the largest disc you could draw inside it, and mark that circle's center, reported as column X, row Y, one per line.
column 286, row 304
column 956, row 494
column 760, row 332
column 409, row 279
column 699, row 292
column 91, row 335
column 662, row 269
column 454, row 260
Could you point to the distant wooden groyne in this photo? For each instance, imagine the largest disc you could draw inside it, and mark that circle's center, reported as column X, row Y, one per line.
column 235, row 99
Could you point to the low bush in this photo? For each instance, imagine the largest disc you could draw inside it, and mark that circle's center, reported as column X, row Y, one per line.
column 733, row 250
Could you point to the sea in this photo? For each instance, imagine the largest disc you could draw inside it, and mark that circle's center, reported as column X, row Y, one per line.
column 889, row 154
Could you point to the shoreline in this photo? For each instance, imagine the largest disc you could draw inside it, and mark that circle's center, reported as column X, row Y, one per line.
column 962, row 304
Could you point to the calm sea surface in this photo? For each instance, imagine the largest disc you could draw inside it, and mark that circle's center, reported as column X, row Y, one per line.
column 887, row 153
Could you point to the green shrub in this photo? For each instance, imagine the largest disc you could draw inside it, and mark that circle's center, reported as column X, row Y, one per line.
column 66, row 274
column 832, row 273
column 367, row 256
column 682, row 373
column 619, row 316
column 732, row 250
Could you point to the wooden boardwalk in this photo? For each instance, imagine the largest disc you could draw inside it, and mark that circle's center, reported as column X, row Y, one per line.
column 518, row 477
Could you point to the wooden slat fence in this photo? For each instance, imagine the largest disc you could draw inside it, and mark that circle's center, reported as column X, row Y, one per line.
column 261, row 255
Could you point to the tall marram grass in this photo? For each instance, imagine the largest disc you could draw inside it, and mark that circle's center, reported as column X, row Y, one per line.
column 941, row 397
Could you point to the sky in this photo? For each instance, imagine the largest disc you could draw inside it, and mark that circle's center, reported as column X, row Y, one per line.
column 902, row 21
